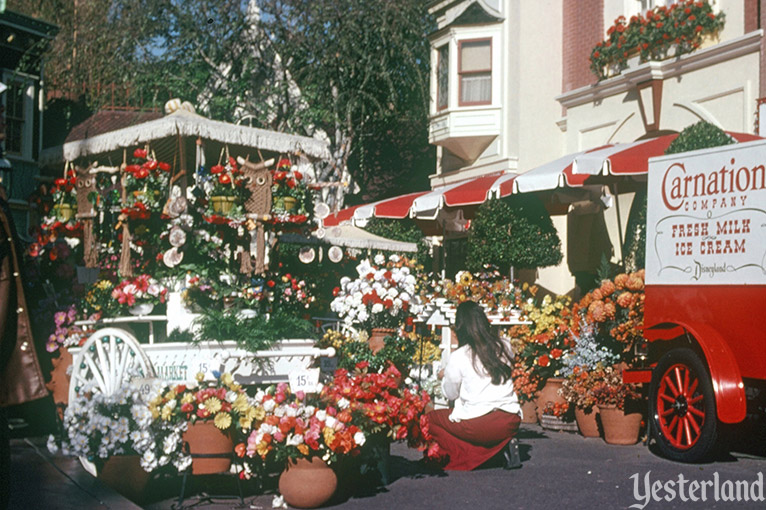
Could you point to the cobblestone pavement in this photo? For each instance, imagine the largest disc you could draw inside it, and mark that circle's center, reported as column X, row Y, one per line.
column 559, row 470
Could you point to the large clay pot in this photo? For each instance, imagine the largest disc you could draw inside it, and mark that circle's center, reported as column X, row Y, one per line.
column 586, row 422
column 59, row 383
column 307, row 483
column 205, row 439
column 377, row 338
column 549, row 393
column 528, row 412
column 619, row 428
column 124, row 474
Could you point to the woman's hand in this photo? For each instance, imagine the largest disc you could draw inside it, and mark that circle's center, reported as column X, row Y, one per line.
column 440, row 374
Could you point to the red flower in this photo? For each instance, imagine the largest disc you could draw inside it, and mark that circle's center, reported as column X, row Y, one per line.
column 291, row 183
column 335, row 291
column 151, row 164
column 217, row 169
column 543, row 360
column 283, row 163
column 139, row 153
column 556, row 353
column 164, row 166
column 60, row 182
column 224, row 179
column 141, row 173
column 270, row 283
column 298, row 175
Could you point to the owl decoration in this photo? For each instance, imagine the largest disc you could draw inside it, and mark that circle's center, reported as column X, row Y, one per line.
column 257, row 207
column 85, row 184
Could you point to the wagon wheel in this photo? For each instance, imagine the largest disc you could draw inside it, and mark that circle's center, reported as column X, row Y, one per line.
column 106, row 359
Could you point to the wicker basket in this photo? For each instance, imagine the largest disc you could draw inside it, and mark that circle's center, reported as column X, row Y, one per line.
column 551, row 422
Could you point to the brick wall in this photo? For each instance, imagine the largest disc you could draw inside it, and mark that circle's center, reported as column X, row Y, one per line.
column 583, row 27
column 751, row 15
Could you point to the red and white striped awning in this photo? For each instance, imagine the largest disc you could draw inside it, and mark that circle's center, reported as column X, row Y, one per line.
column 572, row 170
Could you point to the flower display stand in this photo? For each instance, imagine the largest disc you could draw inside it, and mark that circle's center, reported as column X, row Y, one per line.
column 619, row 428
column 307, row 483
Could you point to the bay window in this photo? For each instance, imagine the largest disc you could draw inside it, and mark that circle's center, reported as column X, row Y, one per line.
column 475, row 71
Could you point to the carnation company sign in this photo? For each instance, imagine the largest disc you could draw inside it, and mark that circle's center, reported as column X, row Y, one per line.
column 706, row 217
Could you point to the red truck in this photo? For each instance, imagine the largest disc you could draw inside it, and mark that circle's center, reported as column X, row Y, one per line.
column 705, row 309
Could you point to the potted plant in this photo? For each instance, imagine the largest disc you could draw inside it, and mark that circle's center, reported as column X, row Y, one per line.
column 379, row 299
column 610, row 393
column 289, row 188
column 211, row 412
column 146, row 184
column 139, row 294
column 112, row 431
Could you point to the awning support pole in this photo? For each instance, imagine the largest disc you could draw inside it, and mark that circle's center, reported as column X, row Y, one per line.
column 619, row 225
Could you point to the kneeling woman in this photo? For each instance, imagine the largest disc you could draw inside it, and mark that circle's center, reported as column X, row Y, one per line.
column 486, row 414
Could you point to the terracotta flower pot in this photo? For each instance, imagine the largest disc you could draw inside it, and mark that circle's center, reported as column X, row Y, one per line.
column 59, row 383
column 124, row 474
column 586, row 422
column 528, row 412
column 619, row 428
column 549, row 393
column 307, row 483
column 205, row 439
column 377, row 338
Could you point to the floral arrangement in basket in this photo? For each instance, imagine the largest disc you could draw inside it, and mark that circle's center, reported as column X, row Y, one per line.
column 226, row 191
column 141, row 289
column 291, row 196
column 380, row 297
column 291, row 426
column 64, row 197
column 615, row 311
column 146, row 185
column 682, row 24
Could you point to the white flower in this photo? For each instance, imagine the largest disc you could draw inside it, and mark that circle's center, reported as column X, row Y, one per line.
column 269, row 405
column 343, row 403
column 330, row 421
column 380, row 259
column 359, row 438
column 377, row 308
column 321, row 415
column 294, row 440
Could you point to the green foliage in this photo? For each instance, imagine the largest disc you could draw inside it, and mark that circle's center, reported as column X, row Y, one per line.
column 402, row 230
column 179, row 335
column 516, row 232
column 634, row 247
column 702, row 135
column 253, row 334
column 397, row 350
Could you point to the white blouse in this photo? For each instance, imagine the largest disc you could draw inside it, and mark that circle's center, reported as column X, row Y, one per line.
column 473, row 391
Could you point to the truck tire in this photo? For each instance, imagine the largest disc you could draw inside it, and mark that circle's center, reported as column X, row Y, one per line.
column 682, row 408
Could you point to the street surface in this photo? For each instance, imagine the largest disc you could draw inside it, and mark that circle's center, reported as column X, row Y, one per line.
column 560, row 471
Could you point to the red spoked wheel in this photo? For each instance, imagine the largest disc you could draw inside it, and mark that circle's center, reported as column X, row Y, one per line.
column 682, row 407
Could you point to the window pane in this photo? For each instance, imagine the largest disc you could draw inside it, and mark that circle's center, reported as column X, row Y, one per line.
column 476, row 88
column 475, row 56
column 442, row 77
column 14, row 117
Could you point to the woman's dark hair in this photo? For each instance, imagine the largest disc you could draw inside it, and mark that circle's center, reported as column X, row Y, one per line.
column 473, row 329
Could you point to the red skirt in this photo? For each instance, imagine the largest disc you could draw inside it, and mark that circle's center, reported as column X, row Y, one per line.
column 470, row 443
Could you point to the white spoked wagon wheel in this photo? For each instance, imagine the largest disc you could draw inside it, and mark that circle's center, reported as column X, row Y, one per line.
column 107, row 360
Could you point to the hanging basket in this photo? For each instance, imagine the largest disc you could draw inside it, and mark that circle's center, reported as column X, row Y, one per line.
column 222, row 205
column 64, row 212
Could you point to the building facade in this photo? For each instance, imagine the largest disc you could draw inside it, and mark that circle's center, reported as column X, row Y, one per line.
column 512, row 88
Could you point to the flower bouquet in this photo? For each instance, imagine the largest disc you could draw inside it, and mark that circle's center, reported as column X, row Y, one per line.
column 380, row 297
column 139, row 294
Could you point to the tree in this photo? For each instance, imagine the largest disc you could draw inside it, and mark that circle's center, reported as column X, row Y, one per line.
column 515, row 232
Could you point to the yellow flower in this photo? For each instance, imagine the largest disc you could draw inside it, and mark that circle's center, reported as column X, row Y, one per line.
column 200, row 376
column 227, row 379
column 259, row 413
column 213, row 405
column 262, row 449
column 155, row 412
column 166, row 413
column 328, row 434
column 240, row 404
column 303, row 448
column 188, row 398
column 170, row 395
column 222, row 421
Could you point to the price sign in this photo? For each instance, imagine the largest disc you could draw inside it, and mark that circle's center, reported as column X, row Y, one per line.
column 328, row 365
column 304, row 380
